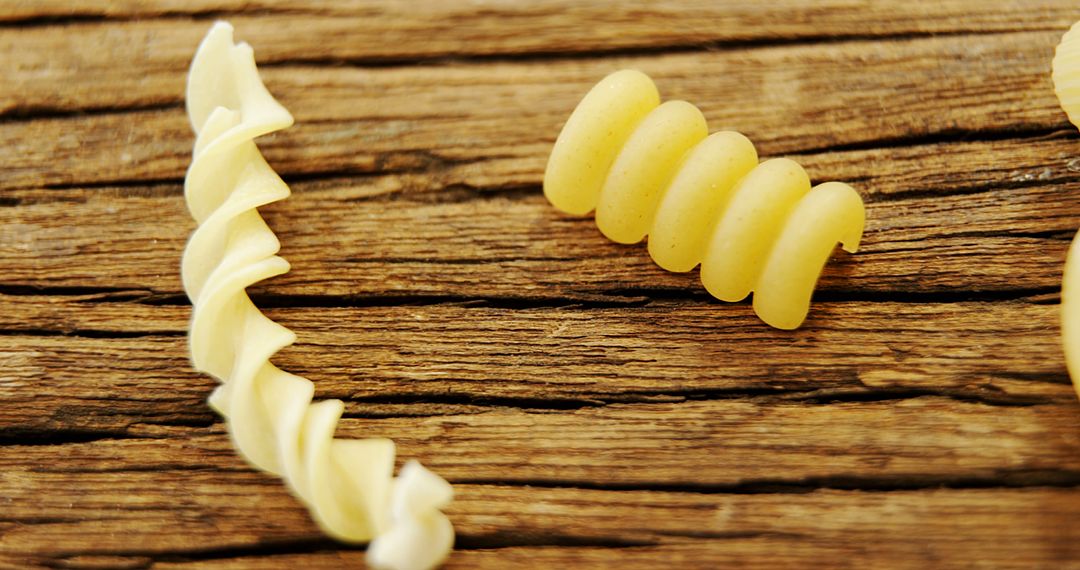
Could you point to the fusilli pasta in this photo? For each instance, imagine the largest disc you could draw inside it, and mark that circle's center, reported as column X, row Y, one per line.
column 347, row 484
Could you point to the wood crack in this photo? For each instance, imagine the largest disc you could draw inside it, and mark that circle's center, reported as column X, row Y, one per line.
column 937, row 297
column 516, row 539
column 299, row 545
column 15, row 436
column 91, row 333
column 884, row 483
column 949, row 136
column 766, row 396
column 75, row 18
column 37, row 112
column 814, row 395
column 312, row 545
column 611, row 299
column 549, row 56
column 937, row 193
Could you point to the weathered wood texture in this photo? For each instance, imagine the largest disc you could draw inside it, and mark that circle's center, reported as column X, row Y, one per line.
column 592, row 410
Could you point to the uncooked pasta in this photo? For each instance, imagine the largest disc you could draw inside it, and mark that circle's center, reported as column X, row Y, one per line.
column 348, row 485
column 652, row 169
column 1066, row 75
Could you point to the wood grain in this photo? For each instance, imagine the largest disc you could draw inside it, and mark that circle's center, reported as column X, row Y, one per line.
column 375, row 238
column 591, row 409
column 568, row 353
column 158, row 39
column 787, row 99
column 195, row 518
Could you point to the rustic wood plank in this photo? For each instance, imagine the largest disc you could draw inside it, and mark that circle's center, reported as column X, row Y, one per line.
column 987, row 216
column 751, row 553
column 682, row 21
column 196, row 517
column 719, row 445
column 786, row 99
column 570, row 354
column 591, row 409
column 482, row 356
column 154, row 52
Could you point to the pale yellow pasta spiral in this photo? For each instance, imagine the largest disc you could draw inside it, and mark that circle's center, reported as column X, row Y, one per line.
column 1066, row 76
column 347, row 484
column 653, row 169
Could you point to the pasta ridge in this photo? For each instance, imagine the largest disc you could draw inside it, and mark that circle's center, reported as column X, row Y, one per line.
column 347, row 485
column 652, row 169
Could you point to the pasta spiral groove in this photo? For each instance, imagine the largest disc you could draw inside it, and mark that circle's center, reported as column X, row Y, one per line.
column 347, row 484
column 652, row 169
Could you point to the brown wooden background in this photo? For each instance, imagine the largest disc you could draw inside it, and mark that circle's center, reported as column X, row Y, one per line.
column 592, row 409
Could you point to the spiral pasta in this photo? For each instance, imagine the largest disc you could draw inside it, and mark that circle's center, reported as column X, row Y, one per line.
column 1066, row 76
column 651, row 168
column 1066, row 73
column 347, row 484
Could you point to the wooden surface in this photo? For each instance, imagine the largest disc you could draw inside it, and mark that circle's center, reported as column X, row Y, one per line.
column 593, row 410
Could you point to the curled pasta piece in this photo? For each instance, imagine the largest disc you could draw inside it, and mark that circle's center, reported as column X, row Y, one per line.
column 1070, row 312
column 347, row 484
column 653, row 169
column 1066, row 76
column 1066, row 73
